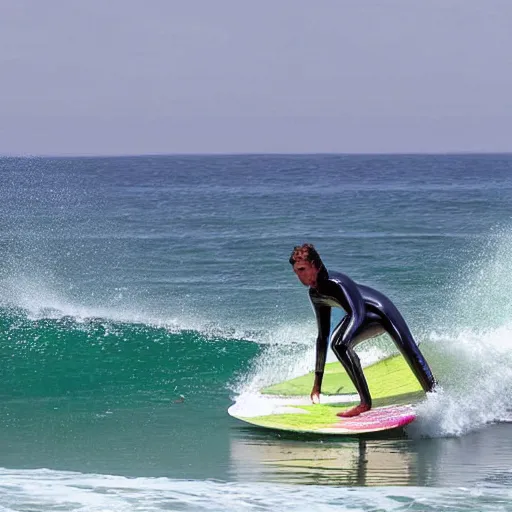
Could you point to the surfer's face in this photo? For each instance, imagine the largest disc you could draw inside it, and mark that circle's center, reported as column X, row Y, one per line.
column 306, row 272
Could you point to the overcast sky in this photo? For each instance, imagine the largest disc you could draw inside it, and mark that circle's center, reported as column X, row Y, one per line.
column 229, row 76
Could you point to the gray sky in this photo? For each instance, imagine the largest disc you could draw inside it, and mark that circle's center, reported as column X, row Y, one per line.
column 188, row 76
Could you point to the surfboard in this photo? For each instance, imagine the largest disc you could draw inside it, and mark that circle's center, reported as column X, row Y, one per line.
column 286, row 406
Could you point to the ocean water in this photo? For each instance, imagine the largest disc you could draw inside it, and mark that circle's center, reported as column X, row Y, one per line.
column 141, row 296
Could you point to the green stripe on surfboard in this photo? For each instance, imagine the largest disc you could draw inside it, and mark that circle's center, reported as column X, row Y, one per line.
column 388, row 378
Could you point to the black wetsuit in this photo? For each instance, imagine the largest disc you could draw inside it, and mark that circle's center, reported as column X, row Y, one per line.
column 369, row 313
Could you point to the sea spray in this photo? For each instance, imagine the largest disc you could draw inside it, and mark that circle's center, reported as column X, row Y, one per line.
column 471, row 347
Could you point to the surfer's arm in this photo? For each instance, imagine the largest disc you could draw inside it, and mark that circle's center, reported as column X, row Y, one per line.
column 323, row 320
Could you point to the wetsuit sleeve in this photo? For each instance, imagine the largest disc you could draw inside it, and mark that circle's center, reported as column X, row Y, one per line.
column 323, row 320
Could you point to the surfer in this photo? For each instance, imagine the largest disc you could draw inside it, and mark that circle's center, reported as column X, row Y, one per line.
column 368, row 314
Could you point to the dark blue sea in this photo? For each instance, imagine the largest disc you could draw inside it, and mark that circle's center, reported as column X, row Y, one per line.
column 140, row 297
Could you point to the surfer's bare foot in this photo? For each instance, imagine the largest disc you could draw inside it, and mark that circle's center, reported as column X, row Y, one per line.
column 355, row 411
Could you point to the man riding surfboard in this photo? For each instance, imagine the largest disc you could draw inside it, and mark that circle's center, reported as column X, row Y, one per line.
column 368, row 314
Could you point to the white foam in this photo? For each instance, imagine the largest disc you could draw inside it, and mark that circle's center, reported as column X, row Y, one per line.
column 471, row 349
column 250, row 405
column 475, row 384
column 43, row 489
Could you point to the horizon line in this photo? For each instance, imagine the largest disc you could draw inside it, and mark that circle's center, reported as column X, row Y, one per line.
column 253, row 153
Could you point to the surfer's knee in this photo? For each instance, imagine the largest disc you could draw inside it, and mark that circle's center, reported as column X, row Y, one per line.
column 339, row 348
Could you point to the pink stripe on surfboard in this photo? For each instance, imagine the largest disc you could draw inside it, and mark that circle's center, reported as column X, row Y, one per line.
column 383, row 417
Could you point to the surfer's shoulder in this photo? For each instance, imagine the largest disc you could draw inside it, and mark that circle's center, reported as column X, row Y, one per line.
column 337, row 277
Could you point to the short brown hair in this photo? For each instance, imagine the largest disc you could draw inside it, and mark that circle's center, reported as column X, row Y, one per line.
column 306, row 252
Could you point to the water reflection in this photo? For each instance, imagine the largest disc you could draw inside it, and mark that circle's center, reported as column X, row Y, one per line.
column 357, row 461
column 476, row 458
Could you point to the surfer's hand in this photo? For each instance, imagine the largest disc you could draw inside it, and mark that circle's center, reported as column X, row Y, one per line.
column 317, row 386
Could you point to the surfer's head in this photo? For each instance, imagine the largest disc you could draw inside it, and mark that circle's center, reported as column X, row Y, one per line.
column 306, row 264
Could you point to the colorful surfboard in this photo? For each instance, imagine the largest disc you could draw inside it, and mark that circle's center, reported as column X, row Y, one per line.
column 286, row 406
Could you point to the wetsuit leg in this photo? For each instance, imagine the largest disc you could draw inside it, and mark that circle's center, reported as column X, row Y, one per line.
column 350, row 361
column 397, row 328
